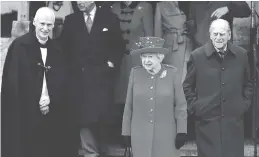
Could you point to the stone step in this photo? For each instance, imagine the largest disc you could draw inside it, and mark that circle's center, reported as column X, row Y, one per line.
column 188, row 150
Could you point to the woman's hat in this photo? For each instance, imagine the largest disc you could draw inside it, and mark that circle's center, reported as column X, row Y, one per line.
column 149, row 45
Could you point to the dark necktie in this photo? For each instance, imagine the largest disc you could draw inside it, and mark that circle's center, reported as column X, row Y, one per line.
column 221, row 54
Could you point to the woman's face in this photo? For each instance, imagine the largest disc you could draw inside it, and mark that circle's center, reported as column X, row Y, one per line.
column 151, row 61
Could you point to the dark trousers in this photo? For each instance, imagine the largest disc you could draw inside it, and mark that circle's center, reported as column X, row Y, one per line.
column 93, row 140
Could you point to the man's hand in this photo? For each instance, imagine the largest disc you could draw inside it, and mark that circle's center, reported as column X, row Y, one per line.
column 44, row 102
column 220, row 12
column 110, row 64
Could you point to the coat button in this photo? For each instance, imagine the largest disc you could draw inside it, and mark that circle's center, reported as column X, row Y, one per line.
column 151, row 110
column 223, row 83
column 223, row 69
column 83, row 69
column 151, row 98
column 151, row 121
column 222, row 115
column 151, row 87
column 152, row 77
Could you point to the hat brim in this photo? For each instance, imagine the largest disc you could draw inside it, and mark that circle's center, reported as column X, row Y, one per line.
column 149, row 50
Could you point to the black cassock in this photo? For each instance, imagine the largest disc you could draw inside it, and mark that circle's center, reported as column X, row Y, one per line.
column 26, row 132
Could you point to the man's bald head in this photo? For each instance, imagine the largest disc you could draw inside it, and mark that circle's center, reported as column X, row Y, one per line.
column 44, row 22
column 220, row 33
column 44, row 12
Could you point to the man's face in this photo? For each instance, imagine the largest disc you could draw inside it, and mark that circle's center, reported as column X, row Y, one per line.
column 43, row 26
column 219, row 36
column 85, row 5
column 150, row 60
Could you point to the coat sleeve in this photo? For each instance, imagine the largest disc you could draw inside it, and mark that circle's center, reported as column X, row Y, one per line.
column 158, row 22
column 189, row 85
column 117, row 44
column 65, row 39
column 239, row 9
column 148, row 20
column 248, row 85
column 127, row 115
column 180, row 106
column 10, row 106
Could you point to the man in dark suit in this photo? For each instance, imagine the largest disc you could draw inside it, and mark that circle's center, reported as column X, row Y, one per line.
column 32, row 92
column 94, row 48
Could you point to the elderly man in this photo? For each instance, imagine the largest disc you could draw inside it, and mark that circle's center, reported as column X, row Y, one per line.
column 218, row 91
column 33, row 78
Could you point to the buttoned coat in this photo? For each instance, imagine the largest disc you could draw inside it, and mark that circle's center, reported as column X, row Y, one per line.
column 170, row 25
column 136, row 20
column 155, row 111
column 91, row 79
column 218, row 92
column 22, row 83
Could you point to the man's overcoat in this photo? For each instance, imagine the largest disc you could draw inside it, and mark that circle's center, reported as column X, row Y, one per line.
column 218, row 92
column 91, row 79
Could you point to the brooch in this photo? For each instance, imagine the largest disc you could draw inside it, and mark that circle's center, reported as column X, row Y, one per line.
column 139, row 8
column 163, row 74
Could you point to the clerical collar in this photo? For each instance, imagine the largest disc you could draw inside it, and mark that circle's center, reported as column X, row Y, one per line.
column 41, row 42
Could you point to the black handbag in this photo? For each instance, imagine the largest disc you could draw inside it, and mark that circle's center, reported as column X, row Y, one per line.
column 128, row 152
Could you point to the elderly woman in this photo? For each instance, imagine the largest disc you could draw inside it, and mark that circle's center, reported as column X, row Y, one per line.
column 155, row 116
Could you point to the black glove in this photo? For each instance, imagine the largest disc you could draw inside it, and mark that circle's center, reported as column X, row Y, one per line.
column 180, row 139
column 127, row 141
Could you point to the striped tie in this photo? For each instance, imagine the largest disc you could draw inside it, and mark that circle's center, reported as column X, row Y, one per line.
column 89, row 22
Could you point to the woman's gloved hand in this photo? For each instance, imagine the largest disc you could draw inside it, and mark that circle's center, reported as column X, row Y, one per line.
column 180, row 140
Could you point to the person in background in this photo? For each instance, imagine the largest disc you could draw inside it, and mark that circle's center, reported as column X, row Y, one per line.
column 136, row 20
column 93, row 45
column 170, row 24
column 155, row 114
column 202, row 13
column 218, row 90
column 32, row 92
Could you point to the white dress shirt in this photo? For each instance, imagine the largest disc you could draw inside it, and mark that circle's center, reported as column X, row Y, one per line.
column 44, row 51
column 92, row 14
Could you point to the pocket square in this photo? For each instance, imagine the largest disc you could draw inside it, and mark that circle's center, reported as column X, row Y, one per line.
column 105, row 29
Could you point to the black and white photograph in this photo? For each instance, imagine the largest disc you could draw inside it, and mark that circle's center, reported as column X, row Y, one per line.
column 129, row 78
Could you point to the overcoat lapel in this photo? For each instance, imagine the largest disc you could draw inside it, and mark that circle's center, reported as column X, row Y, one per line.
column 97, row 23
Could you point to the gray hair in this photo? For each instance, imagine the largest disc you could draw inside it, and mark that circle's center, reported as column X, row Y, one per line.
column 44, row 11
column 215, row 23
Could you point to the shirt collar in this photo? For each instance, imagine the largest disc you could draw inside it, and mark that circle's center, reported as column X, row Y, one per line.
column 225, row 49
column 92, row 12
column 209, row 49
column 131, row 6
